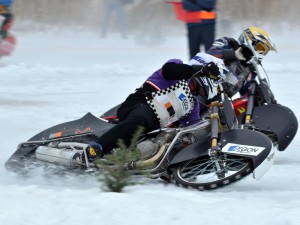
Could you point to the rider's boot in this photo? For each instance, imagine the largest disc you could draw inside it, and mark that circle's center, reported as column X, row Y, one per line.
column 92, row 152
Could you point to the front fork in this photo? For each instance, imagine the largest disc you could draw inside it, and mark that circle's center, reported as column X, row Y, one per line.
column 216, row 128
column 250, row 104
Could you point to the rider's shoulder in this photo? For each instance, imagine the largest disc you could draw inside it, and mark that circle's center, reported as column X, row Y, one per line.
column 178, row 61
column 223, row 42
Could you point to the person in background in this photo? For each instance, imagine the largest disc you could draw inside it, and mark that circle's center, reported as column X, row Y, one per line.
column 167, row 96
column 117, row 6
column 202, row 31
column 237, row 54
column 6, row 17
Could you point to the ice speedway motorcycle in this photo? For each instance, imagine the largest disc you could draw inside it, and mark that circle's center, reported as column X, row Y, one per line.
column 232, row 140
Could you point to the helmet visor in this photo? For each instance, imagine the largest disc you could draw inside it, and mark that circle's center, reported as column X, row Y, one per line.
column 261, row 47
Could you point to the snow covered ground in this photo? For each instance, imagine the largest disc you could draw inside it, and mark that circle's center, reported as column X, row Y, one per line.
column 52, row 78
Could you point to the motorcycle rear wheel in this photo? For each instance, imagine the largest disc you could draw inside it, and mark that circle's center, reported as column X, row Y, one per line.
column 201, row 173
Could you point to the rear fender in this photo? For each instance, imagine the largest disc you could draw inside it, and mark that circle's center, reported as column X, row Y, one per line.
column 82, row 130
column 112, row 112
column 279, row 119
column 87, row 124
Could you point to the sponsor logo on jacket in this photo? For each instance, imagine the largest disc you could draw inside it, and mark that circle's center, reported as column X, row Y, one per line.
column 184, row 101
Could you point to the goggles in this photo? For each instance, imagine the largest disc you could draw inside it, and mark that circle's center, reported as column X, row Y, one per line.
column 261, row 47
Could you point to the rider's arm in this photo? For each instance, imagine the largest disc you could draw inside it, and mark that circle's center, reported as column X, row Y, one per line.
column 251, row 77
column 174, row 71
column 224, row 48
column 225, row 54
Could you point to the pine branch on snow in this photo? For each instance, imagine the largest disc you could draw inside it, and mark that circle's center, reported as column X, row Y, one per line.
column 114, row 176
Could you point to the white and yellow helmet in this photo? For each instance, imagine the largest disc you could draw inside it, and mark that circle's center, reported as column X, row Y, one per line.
column 258, row 40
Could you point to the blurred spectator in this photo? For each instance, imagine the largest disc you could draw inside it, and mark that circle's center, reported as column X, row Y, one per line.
column 117, row 6
column 6, row 17
column 202, row 30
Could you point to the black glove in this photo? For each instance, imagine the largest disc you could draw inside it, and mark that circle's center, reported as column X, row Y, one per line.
column 234, row 43
column 211, row 70
column 243, row 53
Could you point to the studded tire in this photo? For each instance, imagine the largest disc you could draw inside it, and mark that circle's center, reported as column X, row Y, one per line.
column 201, row 173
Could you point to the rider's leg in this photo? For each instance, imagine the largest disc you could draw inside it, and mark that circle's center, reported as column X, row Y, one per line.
column 141, row 115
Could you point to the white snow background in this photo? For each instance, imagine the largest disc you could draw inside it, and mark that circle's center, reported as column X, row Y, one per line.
column 54, row 78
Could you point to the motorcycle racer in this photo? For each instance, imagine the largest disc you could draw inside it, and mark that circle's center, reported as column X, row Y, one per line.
column 253, row 42
column 167, row 96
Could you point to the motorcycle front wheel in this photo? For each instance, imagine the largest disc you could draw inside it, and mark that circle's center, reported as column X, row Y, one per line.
column 206, row 173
